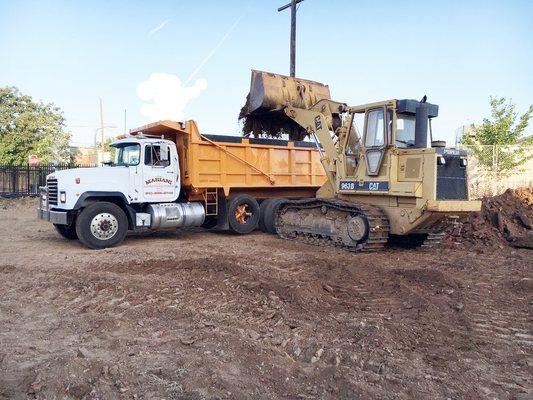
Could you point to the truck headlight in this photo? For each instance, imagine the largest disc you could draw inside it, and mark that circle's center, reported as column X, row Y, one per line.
column 464, row 162
column 62, row 197
column 441, row 160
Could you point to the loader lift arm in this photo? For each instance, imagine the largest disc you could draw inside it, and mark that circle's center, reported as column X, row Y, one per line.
column 319, row 122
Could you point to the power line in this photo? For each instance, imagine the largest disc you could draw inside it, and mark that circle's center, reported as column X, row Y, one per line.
column 219, row 44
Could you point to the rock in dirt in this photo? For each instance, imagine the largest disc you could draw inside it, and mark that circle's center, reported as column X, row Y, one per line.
column 113, row 370
column 187, row 340
column 458, row 307
column 83, row 353
column 525, row 241
column 254, row 335
column 317, row 355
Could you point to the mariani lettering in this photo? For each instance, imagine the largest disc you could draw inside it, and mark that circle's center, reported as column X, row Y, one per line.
column 158, row 180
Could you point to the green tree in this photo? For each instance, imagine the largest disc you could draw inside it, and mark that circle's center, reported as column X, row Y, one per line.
column 107, row 148
column 30, row 127
column 490, row 141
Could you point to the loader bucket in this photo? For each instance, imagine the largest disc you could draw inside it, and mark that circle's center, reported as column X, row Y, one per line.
column 269, row 93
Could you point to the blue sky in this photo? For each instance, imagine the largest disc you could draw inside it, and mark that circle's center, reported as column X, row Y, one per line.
column 457, row 52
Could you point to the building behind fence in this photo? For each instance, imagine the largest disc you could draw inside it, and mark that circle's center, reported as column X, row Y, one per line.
column 24, row 180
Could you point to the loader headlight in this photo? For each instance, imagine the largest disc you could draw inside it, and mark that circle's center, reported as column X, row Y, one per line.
column 62, row 197
column 441, row 160
column 463, row 162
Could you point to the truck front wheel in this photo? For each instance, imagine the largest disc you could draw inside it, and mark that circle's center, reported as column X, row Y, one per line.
column 101, row 225
column 67, row 231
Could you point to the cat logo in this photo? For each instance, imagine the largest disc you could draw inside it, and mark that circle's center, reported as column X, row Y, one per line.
column 318, row 123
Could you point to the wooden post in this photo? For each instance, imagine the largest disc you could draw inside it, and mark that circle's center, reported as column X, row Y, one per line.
column 292, row 5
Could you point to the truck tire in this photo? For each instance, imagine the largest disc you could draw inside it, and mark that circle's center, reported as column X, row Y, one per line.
column 262, row 212
column 243, row 214
column 209, row 222
column 270, row 215
column 67, row 231
column 101, row 225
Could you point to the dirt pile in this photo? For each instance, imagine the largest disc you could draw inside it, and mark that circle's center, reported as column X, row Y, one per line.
column 272, row 125
column 506, row 218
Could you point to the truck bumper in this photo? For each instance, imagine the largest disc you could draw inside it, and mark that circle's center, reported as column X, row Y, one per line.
column 455, row 206
column 55, row 217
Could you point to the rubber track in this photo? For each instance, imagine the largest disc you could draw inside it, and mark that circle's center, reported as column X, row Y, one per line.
column 378, row 223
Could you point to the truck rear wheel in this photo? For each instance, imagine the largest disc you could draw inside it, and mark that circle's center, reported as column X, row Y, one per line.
column 262, row 213
column 243, row 214
column 101, row 225
column 67, row 231
column 270, row 215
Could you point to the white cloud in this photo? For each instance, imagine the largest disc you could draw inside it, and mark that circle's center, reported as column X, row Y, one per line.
column 158, row 27
column 165, row 97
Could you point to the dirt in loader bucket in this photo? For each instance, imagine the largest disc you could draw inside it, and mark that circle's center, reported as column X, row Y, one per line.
column 263, row 114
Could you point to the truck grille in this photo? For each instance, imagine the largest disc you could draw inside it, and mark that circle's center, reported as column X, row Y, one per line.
column 52, row 191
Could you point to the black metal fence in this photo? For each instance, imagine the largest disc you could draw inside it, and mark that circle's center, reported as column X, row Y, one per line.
column 24, row 180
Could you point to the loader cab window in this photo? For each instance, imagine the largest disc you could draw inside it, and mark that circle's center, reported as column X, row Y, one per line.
column 156, row 155
column 375, row 132
column 405, row 131
column 127, row 154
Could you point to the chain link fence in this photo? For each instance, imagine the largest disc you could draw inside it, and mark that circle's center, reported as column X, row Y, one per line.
column 492, row 169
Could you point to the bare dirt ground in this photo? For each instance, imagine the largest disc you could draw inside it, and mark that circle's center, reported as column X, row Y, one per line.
column 199, row 315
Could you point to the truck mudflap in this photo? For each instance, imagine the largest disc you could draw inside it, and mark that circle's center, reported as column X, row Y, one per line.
column 453, row 206
column 55, row 217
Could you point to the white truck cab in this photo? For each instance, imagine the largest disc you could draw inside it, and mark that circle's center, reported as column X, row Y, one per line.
column 139, row 189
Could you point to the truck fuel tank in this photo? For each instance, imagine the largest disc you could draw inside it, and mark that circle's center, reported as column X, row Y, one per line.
column 176, row 215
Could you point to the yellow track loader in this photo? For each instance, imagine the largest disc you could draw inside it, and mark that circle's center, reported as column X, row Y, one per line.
column 386, row 176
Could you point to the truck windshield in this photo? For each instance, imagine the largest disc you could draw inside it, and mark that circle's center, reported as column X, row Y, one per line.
column 405, row 130
column 127, row 154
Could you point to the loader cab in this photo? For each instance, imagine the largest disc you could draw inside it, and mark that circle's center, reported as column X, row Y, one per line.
column 375, row 127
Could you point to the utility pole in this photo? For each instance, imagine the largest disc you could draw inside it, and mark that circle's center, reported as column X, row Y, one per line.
column 101, row 123
column 292, row 5
column 125, row 119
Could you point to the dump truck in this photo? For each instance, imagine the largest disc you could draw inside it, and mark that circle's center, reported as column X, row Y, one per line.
column 386, row 176
column 167, row 175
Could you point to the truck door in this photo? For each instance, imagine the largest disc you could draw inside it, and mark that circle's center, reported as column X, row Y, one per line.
column 160, row 179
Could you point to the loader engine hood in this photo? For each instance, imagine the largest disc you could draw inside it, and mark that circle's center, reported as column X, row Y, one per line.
column 77, row 181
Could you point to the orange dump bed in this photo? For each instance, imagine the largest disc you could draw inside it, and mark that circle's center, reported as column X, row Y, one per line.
column 234, row 162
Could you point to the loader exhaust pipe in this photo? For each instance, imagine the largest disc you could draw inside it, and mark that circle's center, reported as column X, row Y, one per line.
column 421, row 125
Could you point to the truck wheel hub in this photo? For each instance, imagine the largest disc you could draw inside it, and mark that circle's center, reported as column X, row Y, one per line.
column 242, row 213
column 104, row 226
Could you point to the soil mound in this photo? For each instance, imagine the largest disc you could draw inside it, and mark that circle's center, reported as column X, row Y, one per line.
column 506, row 218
